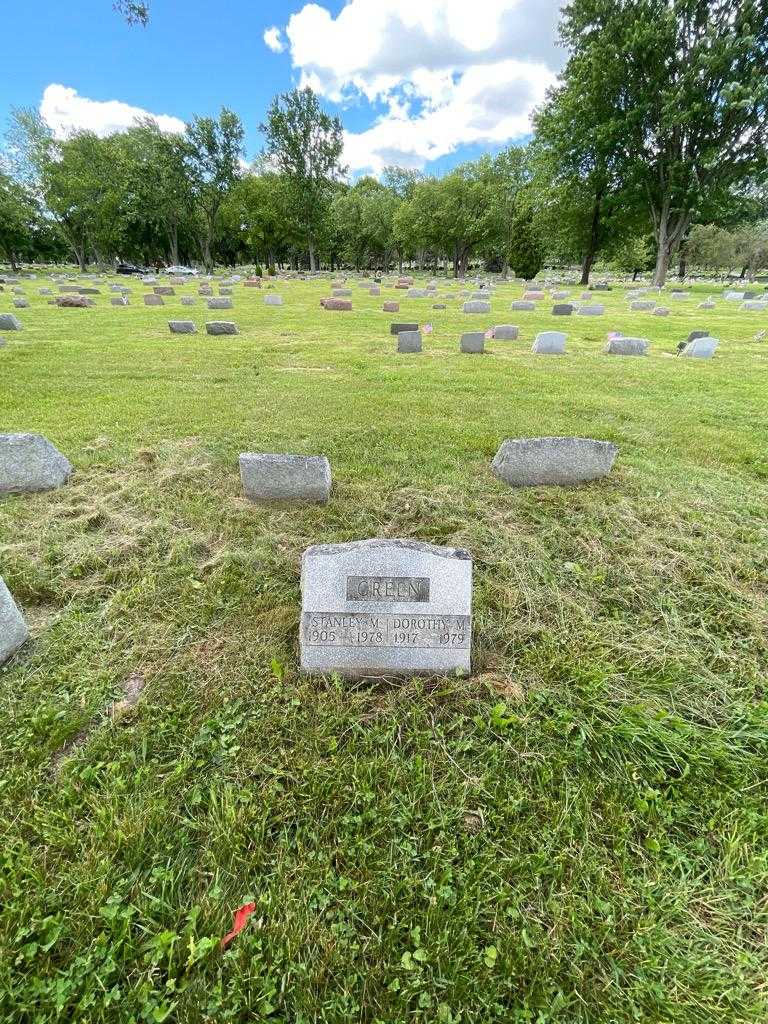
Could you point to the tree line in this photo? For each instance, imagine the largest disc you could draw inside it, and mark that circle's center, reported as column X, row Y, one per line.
column 652, row 146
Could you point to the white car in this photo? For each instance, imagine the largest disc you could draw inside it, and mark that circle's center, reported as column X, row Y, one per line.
column 182, row 271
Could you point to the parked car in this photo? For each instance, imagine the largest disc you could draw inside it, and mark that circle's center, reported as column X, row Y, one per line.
column 182, row 271
column 130, row 268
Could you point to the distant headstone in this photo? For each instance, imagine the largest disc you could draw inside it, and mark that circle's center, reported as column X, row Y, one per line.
column 734, row 296
column 341, row 293
column 375, row 291
column 505, row 332
column 477, row 307
column 701, row 348
column 220, row 327
column 472, row 342
column 533, row 296
column 557, row 296
column 750, row 306
column 549, row 343
column 30, row 463
column 339, row 304
column 187, row 300
column 164, row 289
column 44, row 291
column 523, row 306
column 89, row 291
column 642, row 306
column 626, row 346
column 74, row 301
column 596, row 310
column 13, row 629
column 386, row 608
column 182, row 327
column 118, row 300
column 153, row 300
column 661, row 311
column 273, row 300
column 391, row 307
column 409, row 341
column 21, row 303
column 562, row 309
column 296, row 478
column 709, row 304
column 417, row 293
column 398, row 328
column 221, row 303
column 564, row 461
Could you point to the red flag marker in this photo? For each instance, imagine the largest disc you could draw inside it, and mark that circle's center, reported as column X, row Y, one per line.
column 241, row 916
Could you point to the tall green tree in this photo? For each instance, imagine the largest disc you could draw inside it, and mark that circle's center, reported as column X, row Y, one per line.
column 19, row 216
column 678, row 93
column 305, row 144
column 212, row 159
column 159, row 195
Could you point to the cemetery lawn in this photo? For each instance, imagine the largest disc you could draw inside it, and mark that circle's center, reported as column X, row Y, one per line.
column 576, row 834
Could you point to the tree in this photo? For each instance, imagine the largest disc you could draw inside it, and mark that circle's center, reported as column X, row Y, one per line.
column 258, row 209
column 631, row 255
column 678, row 93
column 364, row 223
column 579, row 201
column 134, row 12
column 212, row 159
column 305, row 144
column 159, row 193
column 82, row 184
column 526, row 253
column 18, row 217
column 751, row 245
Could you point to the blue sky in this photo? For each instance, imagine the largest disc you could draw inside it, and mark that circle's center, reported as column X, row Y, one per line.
column 422, row 83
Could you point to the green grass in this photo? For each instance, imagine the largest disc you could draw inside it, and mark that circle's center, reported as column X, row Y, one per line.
column 577, row 833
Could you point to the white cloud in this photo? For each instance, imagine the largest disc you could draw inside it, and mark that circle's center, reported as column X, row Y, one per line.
column 272, row 37
column 65, row 111
column 450, row 72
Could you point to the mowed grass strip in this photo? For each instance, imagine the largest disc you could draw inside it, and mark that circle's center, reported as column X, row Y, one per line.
column 578, row 833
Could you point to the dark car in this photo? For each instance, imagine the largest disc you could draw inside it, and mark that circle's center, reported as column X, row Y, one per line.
column 129, row 268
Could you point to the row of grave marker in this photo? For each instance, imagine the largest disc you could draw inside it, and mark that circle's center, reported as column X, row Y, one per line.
column 375, row 607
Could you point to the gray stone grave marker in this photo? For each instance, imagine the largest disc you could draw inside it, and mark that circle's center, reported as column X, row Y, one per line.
column 472, row 342
column 295, row 478
column 549, row 343
column 563, row 461
column 386, row 608
column 13, row 629
column 30, row 463
column 409, row 341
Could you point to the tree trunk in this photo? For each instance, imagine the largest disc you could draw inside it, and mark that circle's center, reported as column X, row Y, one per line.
column 594, row 232
column 668, row 232
column 312, row 264
column 205, row 247
column 173, row 240
column 662, row 266
column 586, row 266
column 743, row 273
column 683, row 264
